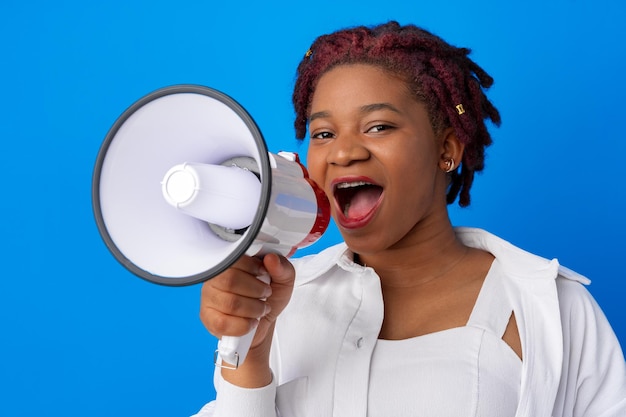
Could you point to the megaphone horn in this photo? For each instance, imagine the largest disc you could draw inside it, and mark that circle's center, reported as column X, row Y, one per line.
column 183, row 186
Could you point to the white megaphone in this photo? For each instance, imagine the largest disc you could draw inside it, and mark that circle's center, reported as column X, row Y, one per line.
column 184, row 185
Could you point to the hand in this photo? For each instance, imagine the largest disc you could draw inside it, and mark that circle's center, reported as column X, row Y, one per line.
column 232, row 303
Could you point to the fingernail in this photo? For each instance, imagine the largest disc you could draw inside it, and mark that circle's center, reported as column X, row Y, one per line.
column 267, row 310
column 267, row 292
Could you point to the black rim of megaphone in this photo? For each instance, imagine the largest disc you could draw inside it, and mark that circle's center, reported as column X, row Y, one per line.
column 246, row 240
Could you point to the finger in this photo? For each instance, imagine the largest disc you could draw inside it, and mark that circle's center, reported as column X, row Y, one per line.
column 233, row 304
column 249, row 264
column 280, row 269
column 220, row 324
column 242, row 281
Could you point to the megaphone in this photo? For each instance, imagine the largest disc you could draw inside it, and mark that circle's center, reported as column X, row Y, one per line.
column 183, row 186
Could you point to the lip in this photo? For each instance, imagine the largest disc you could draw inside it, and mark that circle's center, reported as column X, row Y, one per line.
column 354, row 223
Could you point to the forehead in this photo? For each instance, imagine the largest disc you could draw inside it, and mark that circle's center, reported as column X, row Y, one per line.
column 362, row 83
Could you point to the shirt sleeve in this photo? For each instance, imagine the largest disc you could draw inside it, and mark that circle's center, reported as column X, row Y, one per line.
column 593, row 381
column 234, row 401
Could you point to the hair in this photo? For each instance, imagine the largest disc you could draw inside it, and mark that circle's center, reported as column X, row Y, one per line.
column 438, row 74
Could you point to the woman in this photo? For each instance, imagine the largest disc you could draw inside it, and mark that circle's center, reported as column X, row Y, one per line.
column 409, row 316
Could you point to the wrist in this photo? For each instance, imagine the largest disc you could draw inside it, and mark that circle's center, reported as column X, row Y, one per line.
column 255, row 370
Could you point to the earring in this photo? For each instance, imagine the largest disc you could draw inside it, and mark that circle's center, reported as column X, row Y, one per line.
column 450, row 165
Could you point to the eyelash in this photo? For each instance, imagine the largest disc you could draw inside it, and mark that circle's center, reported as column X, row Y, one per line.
column 322, row 135
column 379, row 128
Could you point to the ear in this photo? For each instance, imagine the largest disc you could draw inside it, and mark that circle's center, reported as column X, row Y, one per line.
column 451, row 150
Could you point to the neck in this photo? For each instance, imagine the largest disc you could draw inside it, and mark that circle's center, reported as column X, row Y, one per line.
column 428, row 255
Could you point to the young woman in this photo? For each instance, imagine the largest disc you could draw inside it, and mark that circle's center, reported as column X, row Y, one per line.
column 410, row 316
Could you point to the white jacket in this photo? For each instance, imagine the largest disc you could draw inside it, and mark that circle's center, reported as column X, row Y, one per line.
column 573, row 364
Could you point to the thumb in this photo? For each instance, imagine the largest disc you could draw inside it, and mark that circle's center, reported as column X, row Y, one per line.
column 283, row 277
column 280, row 269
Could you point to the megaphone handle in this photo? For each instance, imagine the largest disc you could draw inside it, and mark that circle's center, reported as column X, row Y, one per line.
column 232, row 350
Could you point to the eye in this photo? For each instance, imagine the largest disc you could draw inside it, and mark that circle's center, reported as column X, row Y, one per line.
column 379, row 128
column 322, row 135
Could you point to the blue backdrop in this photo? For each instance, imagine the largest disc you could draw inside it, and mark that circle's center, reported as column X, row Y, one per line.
column 82, row 336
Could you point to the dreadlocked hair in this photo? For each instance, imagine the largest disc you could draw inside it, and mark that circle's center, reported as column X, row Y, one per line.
column 438, row 74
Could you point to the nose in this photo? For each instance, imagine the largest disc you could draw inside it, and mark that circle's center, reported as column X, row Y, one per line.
column 346, row 150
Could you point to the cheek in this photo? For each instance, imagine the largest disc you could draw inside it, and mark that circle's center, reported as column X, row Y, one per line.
column 316, row 166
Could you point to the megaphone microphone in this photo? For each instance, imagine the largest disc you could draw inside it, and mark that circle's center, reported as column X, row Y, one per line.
column 184, row 186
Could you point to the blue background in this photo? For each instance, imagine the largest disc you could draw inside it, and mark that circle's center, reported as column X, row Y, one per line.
column 79, row 335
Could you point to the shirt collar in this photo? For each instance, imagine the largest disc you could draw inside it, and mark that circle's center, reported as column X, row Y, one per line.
column 516, row 262
column 312, row 266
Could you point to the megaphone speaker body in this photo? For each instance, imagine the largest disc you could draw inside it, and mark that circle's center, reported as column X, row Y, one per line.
column 184, row 186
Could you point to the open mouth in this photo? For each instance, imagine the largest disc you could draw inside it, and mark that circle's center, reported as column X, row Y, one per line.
column 357, row 199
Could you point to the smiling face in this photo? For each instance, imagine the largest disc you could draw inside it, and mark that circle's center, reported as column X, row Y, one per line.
column 373, row 150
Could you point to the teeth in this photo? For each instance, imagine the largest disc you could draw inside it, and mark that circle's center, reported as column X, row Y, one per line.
column 352, row 184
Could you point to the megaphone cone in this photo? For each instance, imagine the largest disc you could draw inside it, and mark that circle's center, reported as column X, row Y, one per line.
column 184, row 185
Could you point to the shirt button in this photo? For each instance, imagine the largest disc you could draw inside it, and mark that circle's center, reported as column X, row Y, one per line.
column 359, row 343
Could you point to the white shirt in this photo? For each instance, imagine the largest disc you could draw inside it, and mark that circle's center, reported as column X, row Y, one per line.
column 462, row 371
column 325, row 339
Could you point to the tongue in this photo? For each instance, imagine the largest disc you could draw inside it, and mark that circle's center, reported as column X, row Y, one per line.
column 362, row 202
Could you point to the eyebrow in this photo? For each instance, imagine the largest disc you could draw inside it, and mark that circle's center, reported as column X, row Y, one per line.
column 319, row 115
column 368, row 108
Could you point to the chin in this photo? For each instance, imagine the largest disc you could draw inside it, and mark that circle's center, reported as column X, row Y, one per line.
column 364, row 246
